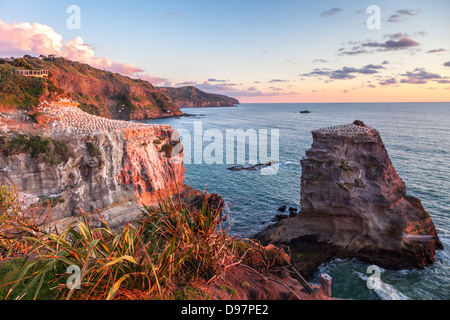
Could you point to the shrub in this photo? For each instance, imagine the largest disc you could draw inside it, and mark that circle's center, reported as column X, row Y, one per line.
column 22, row 63
column 170, row 248
column 89, row 108
column 49, row 150
column 315, row 177
column 93, row 150
column 20, row 91
column 17, row 221
column 40, row 117
column 51, row 201
column 345, row 166
column 167, row 148
column 170, row 243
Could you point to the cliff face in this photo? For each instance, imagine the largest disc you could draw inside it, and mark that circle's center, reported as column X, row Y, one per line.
column 354, row 203
column 191, row 97
column 107, row 94
column 114, row 166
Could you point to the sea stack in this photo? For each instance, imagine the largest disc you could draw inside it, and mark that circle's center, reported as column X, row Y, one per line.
column 354, row 204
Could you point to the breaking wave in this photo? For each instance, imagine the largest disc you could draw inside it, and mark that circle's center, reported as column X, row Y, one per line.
column 384, row 290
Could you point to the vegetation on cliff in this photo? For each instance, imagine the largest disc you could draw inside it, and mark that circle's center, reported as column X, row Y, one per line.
column 99, row 92
column 105, row 93
column 23, row 92
column 172, row 252
column 190, row 96
column 45, row 149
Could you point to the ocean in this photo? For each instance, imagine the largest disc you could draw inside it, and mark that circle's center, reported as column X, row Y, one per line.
column 416, row 136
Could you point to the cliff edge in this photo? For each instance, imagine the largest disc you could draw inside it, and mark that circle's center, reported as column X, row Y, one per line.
column 354, row 204
column 98, row 92
column 76, row 160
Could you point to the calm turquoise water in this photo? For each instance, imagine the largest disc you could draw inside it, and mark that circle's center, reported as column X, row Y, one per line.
column 416, row 136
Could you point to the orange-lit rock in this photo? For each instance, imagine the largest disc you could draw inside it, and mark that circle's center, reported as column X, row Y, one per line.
column 114, row 166
column 354, row 204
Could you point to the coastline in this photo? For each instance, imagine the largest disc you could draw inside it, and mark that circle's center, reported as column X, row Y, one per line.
column 284, row 188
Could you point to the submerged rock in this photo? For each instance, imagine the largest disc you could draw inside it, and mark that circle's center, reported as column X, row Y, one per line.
column 255, row 167
column 354, row 204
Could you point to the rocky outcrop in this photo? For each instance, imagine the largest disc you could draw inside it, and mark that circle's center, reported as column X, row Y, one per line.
column 191, row 97
column 354, row 204
column 114, row 166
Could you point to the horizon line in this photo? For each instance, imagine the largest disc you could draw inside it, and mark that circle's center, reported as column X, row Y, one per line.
column 341, row 102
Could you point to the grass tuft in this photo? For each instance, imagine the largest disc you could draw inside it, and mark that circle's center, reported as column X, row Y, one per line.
column 171, row 252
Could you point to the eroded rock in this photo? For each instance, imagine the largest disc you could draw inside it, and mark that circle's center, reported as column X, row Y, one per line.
column 114, row 166
column 354, row 204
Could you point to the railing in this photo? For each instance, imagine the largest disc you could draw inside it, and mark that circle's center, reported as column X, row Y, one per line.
column 32, row 73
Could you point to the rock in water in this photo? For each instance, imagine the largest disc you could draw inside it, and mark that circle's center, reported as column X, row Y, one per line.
column 326, row 283
column 354, row 204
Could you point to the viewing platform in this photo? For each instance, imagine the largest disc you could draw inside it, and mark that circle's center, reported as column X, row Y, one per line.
column 33, row 73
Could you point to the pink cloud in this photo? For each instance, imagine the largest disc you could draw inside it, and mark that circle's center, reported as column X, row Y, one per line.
column 18, row 39
column 152, row 79
column 233, row 90
column 29, row 38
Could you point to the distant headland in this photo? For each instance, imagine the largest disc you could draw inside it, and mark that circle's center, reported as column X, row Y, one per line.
column 27, row 81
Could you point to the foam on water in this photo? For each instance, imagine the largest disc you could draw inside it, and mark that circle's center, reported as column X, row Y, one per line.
column 384, row 290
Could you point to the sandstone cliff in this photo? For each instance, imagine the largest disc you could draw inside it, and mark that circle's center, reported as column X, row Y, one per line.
column 111, row 165
column 354, row 204
column 105, row 93
column 191, row 97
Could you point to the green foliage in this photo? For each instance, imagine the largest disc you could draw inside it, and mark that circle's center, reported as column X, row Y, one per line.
column 347, row 186
column 38, row 117
column 170, row 243
column 167, row 148
column 164, row 254
column 124, row 101
column 196, row 244
column 10, row 271
column 22, row 64
column 191, row 293
column 93, row 150
column 228, row 289
column 315, row 177
column 345, row 166
column 89, row 108
column 51, row 201
column 17, row 222
column 49, row 150
column 198, row 97
column 7, row 200
column 20, row 91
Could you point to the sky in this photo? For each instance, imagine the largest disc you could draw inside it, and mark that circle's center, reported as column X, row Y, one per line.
column 253, row 50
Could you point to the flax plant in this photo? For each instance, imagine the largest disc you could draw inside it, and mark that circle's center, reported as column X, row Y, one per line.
column 170, row 244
